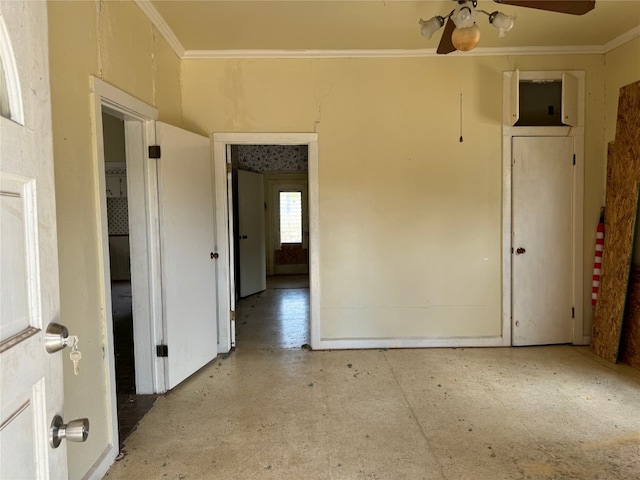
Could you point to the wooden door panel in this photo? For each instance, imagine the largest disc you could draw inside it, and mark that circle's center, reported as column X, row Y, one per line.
column 252, row 252
column 542, row 261
column 31, row 390
column 185, row 187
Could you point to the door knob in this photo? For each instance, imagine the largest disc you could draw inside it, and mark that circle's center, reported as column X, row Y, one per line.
column 74, row 431
column 56, row 337
column 520, row 250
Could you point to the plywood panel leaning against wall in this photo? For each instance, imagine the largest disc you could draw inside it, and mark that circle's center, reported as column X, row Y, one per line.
column 623, row 176
column 630, row 341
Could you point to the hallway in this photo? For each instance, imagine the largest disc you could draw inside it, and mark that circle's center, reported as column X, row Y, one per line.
column 273, row 410
column 277, row 317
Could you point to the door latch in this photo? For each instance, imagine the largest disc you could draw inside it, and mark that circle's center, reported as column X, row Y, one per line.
column 520, row 250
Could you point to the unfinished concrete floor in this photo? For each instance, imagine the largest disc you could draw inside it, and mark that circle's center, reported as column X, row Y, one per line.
column 268, row 412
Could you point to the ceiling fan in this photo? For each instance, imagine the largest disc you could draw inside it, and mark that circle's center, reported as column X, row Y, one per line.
column 462, row 33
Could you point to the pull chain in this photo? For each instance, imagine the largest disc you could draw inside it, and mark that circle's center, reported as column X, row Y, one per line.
column 461, row 139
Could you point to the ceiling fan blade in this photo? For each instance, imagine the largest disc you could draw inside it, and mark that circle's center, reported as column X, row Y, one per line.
column 446, row 44
column 573, row 7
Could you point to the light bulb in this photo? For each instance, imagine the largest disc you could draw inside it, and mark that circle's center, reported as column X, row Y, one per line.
column 466, row 38
column 464, row 16
column 431, row 26
column 502, row 22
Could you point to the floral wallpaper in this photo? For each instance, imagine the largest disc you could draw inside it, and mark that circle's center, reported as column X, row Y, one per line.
column 118, row 216
column 117, row 209
column 270, row 158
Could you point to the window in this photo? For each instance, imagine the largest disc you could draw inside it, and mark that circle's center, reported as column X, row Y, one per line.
column 290, row 217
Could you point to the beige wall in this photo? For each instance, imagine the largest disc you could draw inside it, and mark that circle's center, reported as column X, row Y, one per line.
column 410, row 218
column 622, row 67
column 115, row 42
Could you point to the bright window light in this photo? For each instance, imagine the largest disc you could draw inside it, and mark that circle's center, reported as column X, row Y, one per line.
column 290, row 217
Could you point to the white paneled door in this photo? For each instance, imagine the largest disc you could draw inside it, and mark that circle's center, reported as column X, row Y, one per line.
column 188, row 256
column 252, row 252
column 31, row 390
column 542, row 251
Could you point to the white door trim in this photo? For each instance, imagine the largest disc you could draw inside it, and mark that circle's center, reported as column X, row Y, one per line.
column 577, row 132
column 220, row 143
column 140, row 132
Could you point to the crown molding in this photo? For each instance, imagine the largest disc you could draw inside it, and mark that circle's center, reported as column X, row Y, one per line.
column 622, row 39
column 387, row 53
column 158, row 21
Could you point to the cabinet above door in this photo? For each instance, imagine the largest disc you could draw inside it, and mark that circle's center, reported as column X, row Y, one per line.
column 543, row 99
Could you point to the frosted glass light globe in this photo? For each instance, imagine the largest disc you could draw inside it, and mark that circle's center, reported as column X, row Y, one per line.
column 467, row 38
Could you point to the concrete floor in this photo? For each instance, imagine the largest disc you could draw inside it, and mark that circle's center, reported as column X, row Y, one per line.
column 268, row 411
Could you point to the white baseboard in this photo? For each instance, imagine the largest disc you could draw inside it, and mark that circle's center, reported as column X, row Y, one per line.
column 370, row 343
column 101, row 467
column 586, row 340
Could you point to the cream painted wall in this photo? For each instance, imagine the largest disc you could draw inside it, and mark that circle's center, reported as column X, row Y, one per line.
column 115, row 42
column 622, row 67
column 410, row 218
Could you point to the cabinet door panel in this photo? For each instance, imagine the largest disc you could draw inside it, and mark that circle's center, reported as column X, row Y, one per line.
column 569, row 100
column 514, row 103
column 113, row 186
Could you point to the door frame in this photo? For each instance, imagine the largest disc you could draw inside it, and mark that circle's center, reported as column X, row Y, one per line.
column 142, row 192
column 577, row 132
column 221, row 142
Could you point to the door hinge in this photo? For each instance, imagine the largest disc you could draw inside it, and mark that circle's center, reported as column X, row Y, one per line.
column 154, row 151
column 228, row 168
column 573, row 312
column 162, row 351
column 574, row 158
column 232, row 316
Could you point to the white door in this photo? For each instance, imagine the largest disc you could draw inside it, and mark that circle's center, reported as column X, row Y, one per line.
column 30, row 378
column 252, row 253
column 185, row 189
column 231, row 265
column 542, row 258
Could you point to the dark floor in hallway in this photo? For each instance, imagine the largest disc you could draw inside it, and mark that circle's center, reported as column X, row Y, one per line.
column 131, row 407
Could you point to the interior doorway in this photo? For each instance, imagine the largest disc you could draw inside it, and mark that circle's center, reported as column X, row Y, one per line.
column 225, row 237
column 130, row 407
column 271, row 244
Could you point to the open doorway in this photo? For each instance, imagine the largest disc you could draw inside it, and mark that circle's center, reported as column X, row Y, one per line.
column 271, row 244
column 130, row 407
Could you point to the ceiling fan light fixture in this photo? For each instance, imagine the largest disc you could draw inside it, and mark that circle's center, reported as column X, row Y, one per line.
column 462, row 33
column 466, row 38
column 431, row 26
column 502, row 22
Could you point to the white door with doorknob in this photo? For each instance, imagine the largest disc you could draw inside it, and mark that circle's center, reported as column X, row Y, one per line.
column 542, row 259
column 30, row 377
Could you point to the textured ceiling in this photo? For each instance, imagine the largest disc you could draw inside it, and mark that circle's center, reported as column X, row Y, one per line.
column 368, row 24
